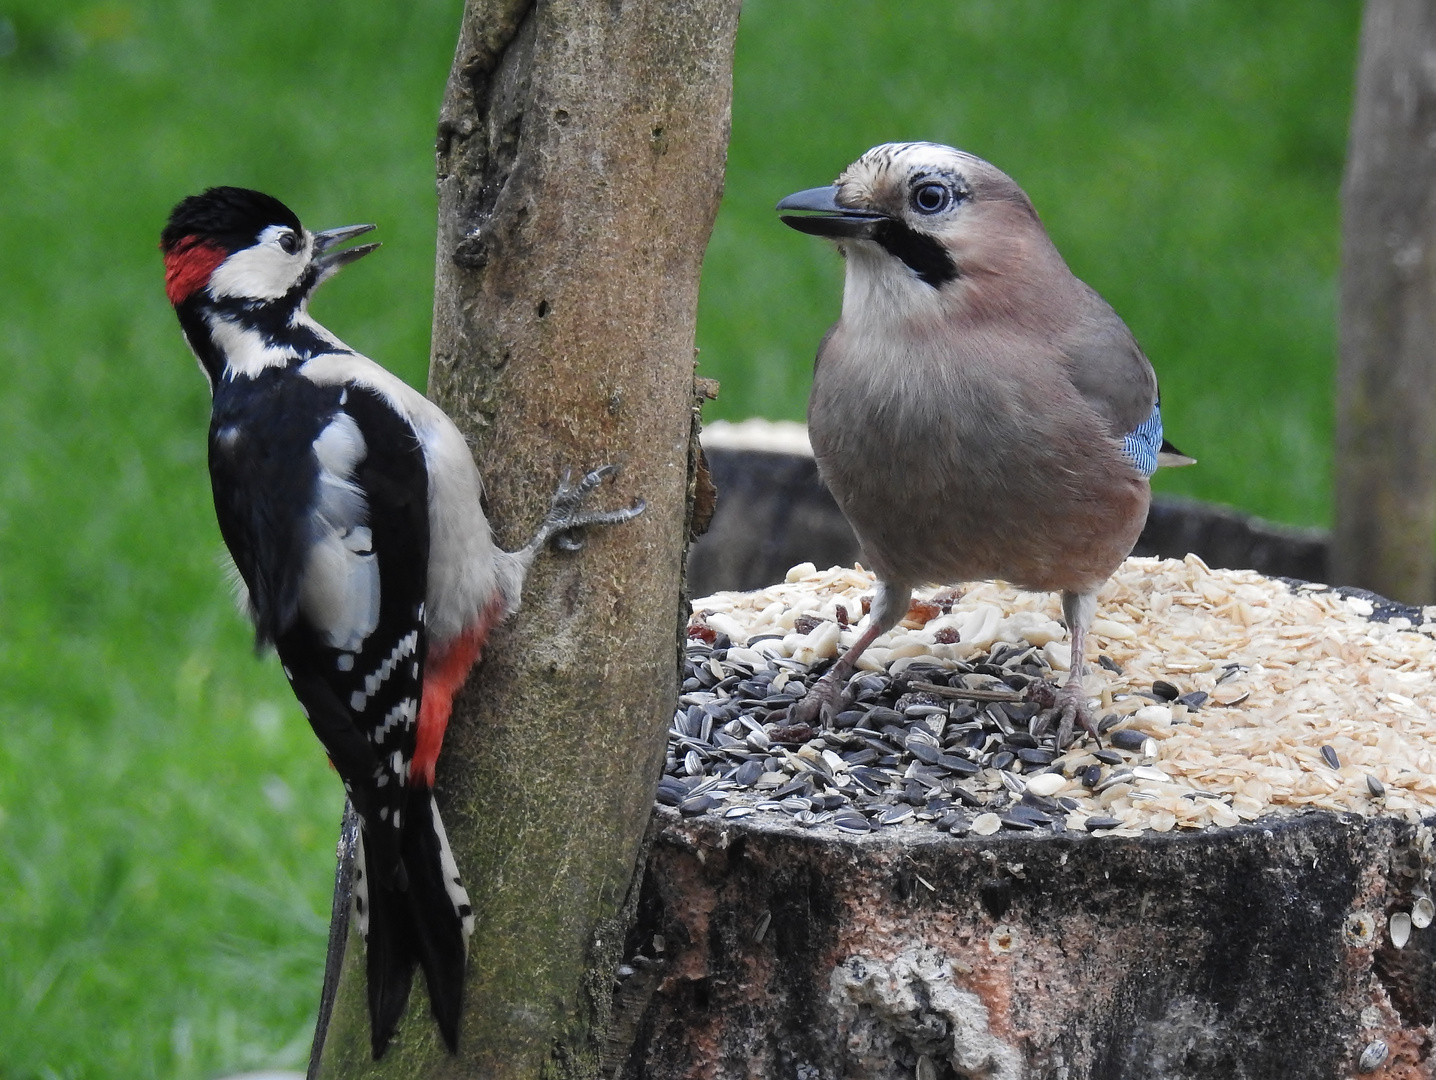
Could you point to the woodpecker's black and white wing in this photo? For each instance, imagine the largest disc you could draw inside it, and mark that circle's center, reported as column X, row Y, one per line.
column 322, row 497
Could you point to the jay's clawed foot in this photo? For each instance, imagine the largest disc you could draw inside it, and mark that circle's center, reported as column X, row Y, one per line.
column 1068, row 706
column 823, row 699
column 1072, row 709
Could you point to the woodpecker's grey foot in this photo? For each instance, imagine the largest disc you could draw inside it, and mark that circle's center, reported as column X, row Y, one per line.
column 820, row 704
column 566, row 514
column 1072, row 709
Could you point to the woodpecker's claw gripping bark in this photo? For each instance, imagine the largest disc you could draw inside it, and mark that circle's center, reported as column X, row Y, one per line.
column 566, row 515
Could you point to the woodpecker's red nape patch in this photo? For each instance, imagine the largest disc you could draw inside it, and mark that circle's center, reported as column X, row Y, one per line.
column 188, row 265
column 444, row 672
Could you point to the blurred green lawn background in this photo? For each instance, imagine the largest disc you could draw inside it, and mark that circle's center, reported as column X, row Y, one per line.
column 166, row 819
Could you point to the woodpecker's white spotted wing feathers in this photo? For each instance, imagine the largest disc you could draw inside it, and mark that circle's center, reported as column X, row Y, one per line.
column 339, row 593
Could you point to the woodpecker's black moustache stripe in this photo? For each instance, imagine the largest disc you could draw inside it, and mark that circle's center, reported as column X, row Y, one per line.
column 273, row 318
column 922, row 254
column 196, row 332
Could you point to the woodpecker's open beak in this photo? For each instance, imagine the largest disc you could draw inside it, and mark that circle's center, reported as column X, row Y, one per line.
column 334, row 260
column 823, row 216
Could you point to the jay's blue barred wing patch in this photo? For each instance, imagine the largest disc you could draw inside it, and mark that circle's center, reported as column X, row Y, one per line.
column 1144, row 444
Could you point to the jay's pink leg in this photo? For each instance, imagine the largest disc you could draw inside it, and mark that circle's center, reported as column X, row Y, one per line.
column 825, row 697
column 1072, row 707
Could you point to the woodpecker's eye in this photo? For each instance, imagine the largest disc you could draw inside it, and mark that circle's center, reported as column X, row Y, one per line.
column 288, row 242
column 931, row 199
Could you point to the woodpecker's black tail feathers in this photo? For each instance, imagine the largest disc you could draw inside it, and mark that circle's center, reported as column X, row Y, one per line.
column 382, row 914
column 439, row 912
column 423, row 918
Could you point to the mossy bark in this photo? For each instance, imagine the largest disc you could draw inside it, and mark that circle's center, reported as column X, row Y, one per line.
column 580, row 159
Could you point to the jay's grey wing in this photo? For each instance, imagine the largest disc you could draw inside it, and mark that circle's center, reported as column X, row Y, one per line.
column 1107, row 366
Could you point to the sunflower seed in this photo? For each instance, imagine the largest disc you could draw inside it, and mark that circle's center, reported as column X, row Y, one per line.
column 1399, row 927
column 1373, row 1056
column 894, row 815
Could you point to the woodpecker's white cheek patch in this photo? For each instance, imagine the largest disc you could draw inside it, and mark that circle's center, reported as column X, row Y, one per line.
column 264, row 271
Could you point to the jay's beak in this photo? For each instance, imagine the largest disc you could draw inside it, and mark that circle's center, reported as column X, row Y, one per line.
column 822, row 216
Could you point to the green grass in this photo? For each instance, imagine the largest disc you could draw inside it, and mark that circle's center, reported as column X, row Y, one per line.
column 166, row 819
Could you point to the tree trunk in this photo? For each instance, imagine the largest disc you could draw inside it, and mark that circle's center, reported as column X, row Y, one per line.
column 580, row 159
column 1385, row 537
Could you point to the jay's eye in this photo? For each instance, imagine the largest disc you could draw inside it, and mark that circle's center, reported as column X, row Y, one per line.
column 931, row 199
column 288, row 242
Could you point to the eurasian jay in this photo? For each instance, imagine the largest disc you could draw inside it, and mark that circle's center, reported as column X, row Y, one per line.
column 977, row 411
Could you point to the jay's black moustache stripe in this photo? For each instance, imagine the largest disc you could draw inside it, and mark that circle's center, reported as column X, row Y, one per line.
column 922, row 254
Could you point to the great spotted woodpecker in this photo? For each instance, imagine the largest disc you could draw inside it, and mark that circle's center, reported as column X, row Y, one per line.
column 351, row 508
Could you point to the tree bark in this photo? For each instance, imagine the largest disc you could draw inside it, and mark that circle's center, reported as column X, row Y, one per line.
column 1385, row 537
column 580, row 160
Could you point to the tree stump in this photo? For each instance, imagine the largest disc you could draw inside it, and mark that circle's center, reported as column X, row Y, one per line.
column 1260, row 951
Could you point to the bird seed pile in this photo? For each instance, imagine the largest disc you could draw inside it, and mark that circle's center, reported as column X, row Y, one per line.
column 1223, row 696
